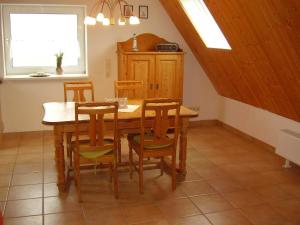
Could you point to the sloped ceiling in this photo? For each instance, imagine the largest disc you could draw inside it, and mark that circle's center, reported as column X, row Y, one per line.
column 263, row 67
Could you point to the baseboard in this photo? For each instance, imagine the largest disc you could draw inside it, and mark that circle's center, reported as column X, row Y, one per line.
column 246, row 136
column 203, row 123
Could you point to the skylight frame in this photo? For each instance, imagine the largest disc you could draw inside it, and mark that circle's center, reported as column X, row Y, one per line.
column 205, row 24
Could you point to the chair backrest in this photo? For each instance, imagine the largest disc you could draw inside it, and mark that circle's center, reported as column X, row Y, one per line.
column 165, row 113
column 131, row 89
column 95, row 112
column 79, row 88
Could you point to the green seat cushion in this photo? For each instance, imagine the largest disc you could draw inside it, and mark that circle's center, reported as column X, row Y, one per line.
column 137, row 139
column 97, row 152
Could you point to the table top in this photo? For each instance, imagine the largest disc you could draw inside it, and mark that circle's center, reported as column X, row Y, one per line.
column 64, row 113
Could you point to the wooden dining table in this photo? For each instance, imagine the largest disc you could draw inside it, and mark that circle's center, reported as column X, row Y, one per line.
column 61, row 115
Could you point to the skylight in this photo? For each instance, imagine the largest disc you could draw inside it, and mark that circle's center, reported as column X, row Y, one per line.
column 205, row 24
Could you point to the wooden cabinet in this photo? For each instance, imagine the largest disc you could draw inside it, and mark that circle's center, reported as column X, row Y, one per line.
column 161, row 72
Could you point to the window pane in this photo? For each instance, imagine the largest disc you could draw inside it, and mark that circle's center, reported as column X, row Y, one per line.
column 36, row 38
column 205, row 24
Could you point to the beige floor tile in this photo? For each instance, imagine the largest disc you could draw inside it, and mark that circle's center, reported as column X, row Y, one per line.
column 263, row 166
column 290, row 209
column 243, row 198
column 30, row 149
column 8, row 159
column 28, row 168
column 293, row 189
column 273, row 193
column 25, row 192
column 50, row 190
column 229, row 217
column 197, row 188
column 94, row 213
column 3, row 193
column 28, row 207
column 225, row 184
column 191, row 220
column 209, row 172
column 211, row 203
column 262, row 215
column 28, row 178
column 49, row 166
column 220, row 163
column 142, row 213
column 8, row 151
column 157, row 222
column 50, row 177
column 253, row 180
column 6, row 168
column 177, row 208
column 29, row 220
column 71, row 218
column 282, row 176
column 61, row 204
column 5, row 180
column 29, row 158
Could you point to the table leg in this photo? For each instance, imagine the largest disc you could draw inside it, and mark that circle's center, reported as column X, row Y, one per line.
column 183, row 146
column 59, row 157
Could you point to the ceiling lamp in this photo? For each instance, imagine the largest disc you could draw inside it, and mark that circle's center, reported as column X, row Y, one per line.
column 97, row 13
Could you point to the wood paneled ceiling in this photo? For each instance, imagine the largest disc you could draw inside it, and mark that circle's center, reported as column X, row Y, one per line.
column 263, row 67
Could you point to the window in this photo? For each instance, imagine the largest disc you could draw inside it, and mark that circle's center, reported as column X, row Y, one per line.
column 33, row 34
column 205, row 24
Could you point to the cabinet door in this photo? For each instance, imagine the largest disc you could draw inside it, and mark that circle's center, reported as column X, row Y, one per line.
column 141, row 67
column 169, row 80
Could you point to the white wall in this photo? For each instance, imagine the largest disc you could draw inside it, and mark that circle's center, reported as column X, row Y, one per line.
column 255, row 122
column 22, row 100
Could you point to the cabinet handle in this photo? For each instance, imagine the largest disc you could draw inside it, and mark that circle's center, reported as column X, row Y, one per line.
column 151, row 86
column 157, row 86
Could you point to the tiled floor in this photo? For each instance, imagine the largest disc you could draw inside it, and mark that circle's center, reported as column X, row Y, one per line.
column 230, row 181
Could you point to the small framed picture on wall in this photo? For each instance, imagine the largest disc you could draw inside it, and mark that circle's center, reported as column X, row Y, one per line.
column 128, row 10
column 143, row 12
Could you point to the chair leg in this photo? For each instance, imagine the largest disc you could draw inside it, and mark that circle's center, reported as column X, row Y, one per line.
column 161, row 166
column 130, row 162
column 77, row 176
column 111, row 172
column 141, row 174
column 116, row 181
column 173, row 172
column 119, row 149
column 69, row 147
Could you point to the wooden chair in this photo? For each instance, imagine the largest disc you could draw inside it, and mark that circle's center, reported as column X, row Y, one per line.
column 132, row 89
column 154, row 141
column 97, row 149
column 78, row 88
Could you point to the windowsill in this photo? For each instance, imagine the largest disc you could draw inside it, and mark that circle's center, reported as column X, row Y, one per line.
column 51, row 77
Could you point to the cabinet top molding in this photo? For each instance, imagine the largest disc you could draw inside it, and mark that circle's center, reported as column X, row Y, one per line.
column 146, row 43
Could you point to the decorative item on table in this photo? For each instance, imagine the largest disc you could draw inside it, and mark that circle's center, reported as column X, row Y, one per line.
column 59, row 57
column 143, row 12
column 134, row 44
column 122, row 102
column 166, row 47
column 99, row 8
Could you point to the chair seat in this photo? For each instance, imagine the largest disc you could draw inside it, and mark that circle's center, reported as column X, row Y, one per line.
column 149, row 137
column 93, row 152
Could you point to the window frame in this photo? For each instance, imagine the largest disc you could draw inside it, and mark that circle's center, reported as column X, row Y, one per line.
column 222, row 42
column 7, row 9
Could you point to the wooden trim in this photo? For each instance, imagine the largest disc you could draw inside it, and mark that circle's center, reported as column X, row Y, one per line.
column 208, row 123
column 203, row 123
column 246, row 136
